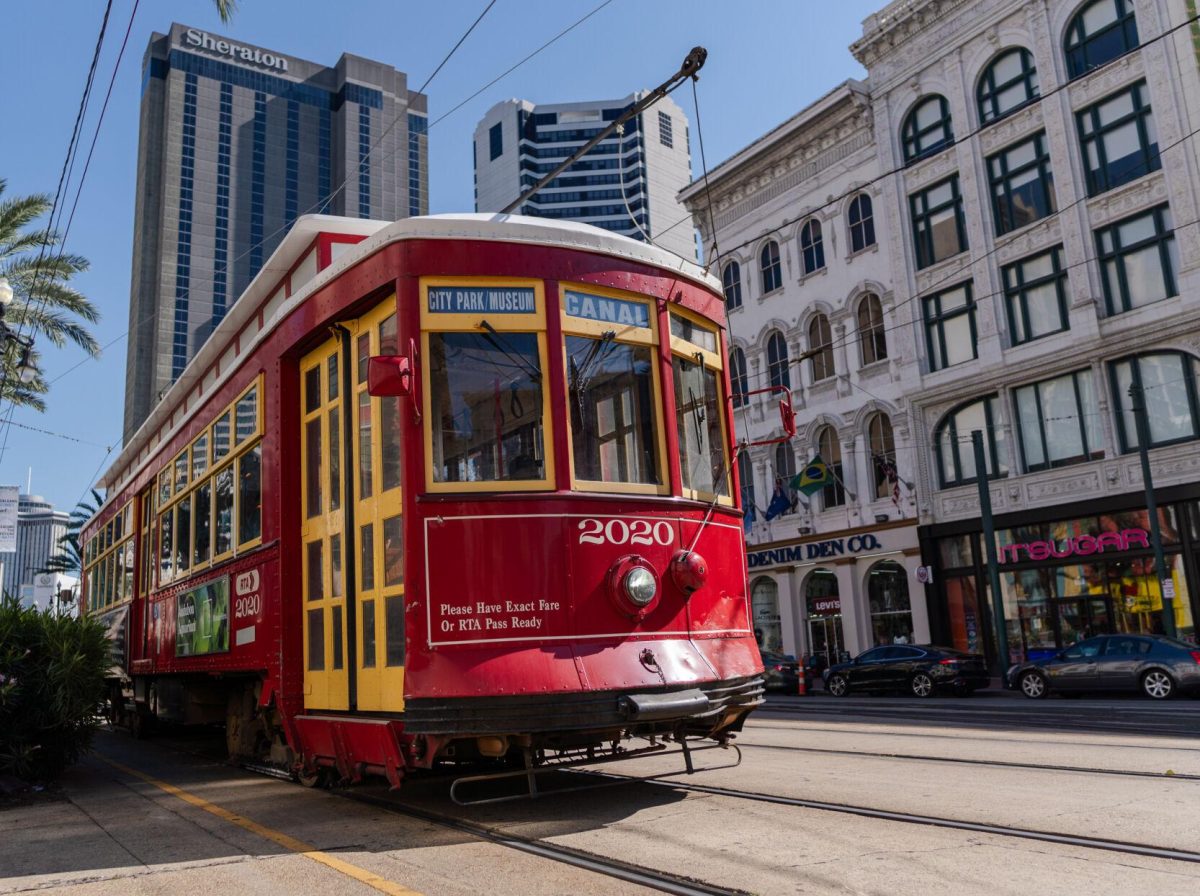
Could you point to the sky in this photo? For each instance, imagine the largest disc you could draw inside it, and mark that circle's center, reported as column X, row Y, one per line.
column 767, row 59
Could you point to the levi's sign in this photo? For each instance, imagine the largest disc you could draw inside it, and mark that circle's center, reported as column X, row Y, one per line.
column 1076, row 546
column 486, row 300
column 205, row 41
column 816, row 550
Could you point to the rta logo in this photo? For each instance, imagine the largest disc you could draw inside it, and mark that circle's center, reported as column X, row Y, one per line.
column 247, row 582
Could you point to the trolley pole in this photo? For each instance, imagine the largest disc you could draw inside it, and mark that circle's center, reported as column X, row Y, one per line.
column 691, row 64
column 1165, row 583
column 989, row 544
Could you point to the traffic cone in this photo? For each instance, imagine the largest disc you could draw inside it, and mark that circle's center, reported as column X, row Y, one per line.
column 803, row 690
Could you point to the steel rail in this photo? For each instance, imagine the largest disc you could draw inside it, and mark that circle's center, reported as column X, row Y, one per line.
column 636, row 874
column 999, row 763
column 978, row 827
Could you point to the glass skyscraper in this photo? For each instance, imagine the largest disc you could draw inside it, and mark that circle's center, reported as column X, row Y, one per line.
column 236, row 142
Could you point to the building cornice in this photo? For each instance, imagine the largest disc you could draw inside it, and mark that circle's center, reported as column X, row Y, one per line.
column 893, row 26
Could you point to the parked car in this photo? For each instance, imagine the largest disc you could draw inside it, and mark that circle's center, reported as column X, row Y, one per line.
column 1157, row 666
column 918, row 669
column 783, row 672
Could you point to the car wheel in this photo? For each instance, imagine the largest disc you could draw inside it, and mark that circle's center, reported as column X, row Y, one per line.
column 921, row 685
column 1033, row 685
column 838, row 685
column 1157, row 684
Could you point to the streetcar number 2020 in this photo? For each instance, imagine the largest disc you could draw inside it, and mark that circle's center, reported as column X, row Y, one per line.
column 617, row 531
column 247, row 606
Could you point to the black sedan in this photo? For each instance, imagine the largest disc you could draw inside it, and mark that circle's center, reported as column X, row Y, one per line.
column 1156, row 666
column 782, row 672
column 917, row 669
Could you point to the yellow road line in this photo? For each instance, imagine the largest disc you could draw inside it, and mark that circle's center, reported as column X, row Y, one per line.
column 370, row 878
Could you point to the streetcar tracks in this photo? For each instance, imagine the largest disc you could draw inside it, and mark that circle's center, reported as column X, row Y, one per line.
column 999, row 763
column 636, row 874
column 1100, row 843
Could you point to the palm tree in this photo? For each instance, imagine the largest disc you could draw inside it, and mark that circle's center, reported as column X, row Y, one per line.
column 69, row 559
column 44, row 304
column 226, row 9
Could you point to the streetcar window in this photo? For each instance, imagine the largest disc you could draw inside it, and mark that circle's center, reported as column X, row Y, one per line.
column 335, row 566
column 250, row 495
column 316, row 640
column 202, row 534
column 183, row 534
column 486, row 406
column 312, row 390
column 166, row 566
column 389, row 442
column 698, row 423
column 223, row 506
column 312, row 466
column 332, row 377
column 220, row 434
column 335, row 459
column 200, row 457
column 366, row 486
column 316, row 570
column 164, row 487
column 685, row 329
column 181, row 472
column 337, row 638
column 367, row 554
column 393, row 551
column 613, row 433
column 368, row 634
column 246, row 415
column 393, row 609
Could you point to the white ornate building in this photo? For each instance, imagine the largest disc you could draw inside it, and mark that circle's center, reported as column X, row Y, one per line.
column 1033, row 173
column 803, row 252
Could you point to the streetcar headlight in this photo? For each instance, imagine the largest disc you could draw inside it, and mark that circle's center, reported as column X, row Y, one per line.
column 640, row 586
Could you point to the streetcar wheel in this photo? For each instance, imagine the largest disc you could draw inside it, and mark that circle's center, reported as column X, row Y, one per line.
column 921, row 685
column 316, row 778
column 1157, row 684
column 838, row 685
column 1033, row 685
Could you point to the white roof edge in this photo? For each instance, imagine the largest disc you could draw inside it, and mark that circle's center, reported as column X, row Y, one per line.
column 479, row 226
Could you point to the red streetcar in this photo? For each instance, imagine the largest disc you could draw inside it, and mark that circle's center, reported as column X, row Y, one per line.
column 449, row 489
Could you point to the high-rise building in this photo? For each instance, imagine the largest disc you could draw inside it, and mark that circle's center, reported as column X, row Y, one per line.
column 236, row 142
column 627, row 184
column 39, row 527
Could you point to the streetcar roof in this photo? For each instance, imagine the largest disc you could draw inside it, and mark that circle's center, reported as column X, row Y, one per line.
column 159, row 427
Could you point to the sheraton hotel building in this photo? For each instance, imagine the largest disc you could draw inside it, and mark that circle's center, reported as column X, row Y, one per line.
column 236, row 142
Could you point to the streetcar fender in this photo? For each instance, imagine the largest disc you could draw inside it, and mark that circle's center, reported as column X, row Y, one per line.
column 650, row 707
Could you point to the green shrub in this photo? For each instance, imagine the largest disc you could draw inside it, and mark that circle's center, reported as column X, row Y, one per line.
column 52, row 671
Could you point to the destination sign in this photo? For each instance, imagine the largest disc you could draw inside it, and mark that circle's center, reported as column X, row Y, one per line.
column 482, row 299
column 607, row 310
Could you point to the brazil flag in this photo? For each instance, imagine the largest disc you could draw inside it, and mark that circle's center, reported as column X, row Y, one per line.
column 814, row 477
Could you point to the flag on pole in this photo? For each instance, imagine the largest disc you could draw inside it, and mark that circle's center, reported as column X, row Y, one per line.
column 888, row 469
column 780, row 502
column 814, row 477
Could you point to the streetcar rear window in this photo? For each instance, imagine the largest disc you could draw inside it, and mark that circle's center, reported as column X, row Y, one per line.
column 486, row 407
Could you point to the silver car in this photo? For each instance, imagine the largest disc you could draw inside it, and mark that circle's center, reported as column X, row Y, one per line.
column 1157, row 666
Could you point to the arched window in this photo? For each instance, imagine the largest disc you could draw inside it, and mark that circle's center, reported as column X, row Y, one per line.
column 737, row 377
column 1169, row 382
column 1007, row 84
column 768, row 259
column 871, row 337
column 812, row 247
column 731, row 280
column 785, row 462
column 883, row 455
column 746, row 481
column 820, row 340
column 777, row 361
column 927, row 128
column 833, row 494
column 891, row 613
column 862, row 223
column 1100, row 32
column 955, row 453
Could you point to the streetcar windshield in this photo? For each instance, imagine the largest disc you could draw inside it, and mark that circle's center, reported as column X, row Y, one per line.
column 486, row 406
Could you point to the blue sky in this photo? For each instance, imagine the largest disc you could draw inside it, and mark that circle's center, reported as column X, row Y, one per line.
column 767, row 59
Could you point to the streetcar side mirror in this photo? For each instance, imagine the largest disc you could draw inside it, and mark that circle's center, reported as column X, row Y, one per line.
column 389, row 375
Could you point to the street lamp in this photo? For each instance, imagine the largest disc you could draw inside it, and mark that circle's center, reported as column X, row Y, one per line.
column 26, row 369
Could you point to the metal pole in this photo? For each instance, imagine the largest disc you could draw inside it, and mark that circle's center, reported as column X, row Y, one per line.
column 1165, row 583
column 692, row 64
column 989, row 544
